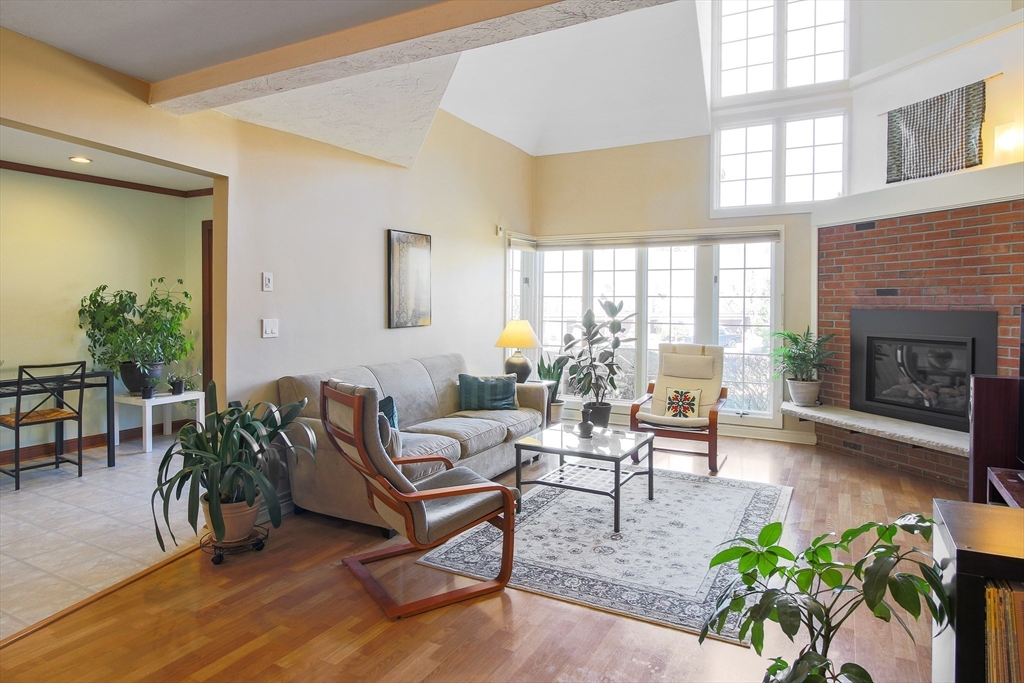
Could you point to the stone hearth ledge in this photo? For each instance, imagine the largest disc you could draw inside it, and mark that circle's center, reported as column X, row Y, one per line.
column 926, row 436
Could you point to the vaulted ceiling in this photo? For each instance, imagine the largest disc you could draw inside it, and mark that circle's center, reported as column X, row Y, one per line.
column 547, row 76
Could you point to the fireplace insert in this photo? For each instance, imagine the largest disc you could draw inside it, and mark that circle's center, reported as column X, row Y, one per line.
column 917, row 365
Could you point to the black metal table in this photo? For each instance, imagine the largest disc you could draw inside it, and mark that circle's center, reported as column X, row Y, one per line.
column 606, row 445
column 97, row 379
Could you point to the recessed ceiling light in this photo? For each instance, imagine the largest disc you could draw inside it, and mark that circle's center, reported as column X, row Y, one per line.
column 81, row 160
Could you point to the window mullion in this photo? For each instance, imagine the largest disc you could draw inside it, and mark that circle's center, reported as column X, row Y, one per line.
column 641, row 322
column 780, row 45
column 705, row 296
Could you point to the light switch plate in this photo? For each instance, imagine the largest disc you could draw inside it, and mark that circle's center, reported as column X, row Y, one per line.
column 268, row 282
column 270, row 328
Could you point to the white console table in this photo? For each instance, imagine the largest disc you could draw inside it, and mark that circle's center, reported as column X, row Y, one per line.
column 147, row 404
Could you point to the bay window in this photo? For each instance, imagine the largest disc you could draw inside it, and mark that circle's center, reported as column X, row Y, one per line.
column 699, row 293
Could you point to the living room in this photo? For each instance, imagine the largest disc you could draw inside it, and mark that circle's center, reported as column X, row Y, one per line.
column 557, row 154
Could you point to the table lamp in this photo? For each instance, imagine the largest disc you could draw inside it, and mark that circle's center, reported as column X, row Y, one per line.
column 518, row 335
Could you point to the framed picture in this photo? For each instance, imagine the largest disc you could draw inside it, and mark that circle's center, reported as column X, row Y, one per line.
column 408, row 279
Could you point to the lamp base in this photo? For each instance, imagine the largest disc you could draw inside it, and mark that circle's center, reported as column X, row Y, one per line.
column 520, row 366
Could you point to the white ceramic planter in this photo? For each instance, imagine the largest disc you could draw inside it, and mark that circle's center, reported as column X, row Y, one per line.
column 239, row 518
column 803, row 393
column 556, row 411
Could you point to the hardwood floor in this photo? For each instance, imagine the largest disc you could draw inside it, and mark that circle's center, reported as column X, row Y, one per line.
column 294, row 613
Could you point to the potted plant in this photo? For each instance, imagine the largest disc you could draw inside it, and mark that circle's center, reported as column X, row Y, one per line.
column 591, row 360
column 132, row 339
column 235, row 456
column 815, row 592
column 802, row 356
column 182, row 382
column 553, row 372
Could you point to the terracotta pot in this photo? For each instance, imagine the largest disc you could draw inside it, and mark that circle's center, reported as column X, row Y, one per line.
column 239, row 518
column 803, row 393
column 600, row 413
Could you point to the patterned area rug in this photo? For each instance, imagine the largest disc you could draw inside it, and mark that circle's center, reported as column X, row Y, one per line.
column 655, row 569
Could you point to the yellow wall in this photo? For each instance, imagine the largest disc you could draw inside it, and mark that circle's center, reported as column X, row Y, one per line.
column 660, row 186
column 59, row 239
column 313, row 214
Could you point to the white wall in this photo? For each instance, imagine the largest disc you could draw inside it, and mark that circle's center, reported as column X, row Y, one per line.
column 999, row 52
column 59, row 240
column 888, row 29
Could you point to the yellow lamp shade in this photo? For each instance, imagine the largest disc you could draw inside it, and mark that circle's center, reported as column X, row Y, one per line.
column 518, row 335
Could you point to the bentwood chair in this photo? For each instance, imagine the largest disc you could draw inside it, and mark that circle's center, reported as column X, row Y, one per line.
column 33, row 384
column 688, row 367
column 427, row 513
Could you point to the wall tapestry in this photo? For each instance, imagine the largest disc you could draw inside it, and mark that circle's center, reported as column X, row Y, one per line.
column 937, row 135
column 408, row 279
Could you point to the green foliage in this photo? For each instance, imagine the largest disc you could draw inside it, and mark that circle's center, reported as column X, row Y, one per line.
column 590, row 357
column 553, row 372
column 234, row 456
column 815, row 592
column 121, row 330
column 801, row 355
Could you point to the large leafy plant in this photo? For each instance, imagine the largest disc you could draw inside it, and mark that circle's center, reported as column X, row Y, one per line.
column 802, row 356
column 234, row 456
column 590, row 357
column 122, row 330
column 815, row 592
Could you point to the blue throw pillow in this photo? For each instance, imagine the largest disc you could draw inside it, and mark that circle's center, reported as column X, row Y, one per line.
column 387, row 406
column 487, row 393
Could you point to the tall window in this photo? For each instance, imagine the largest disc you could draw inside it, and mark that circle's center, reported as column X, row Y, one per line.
column 748, row 46
column 515, row 285
column 670, row 300
column 815, row 33
column 814, row 159
column 745, row 166
column 744, row 323
column 614, row 279
column 563, row 296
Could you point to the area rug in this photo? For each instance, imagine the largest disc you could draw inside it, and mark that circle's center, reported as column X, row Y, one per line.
column 655, row 568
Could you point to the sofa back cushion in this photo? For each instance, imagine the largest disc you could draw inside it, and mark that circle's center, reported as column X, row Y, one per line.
column 409, row 383
column 444, row 372
column 296, row 387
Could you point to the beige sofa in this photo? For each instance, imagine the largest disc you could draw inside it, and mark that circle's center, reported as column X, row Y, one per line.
column 426, row 395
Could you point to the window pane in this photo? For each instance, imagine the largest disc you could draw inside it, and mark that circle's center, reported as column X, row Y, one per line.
column 759, row 192
column 734, row 82
column 828, row 186
column 759, row 138
column 828, row 67
column 829, row 38
column 815, row 32
column 759, row 165
column 730, row 283
column 759, row 255
column 827, row 11
column 800, row 188
column 828, row 130
column 800, row 133
column 800, row 14
column 604, row 259
column 758, row 282
column 800, row 43
column 734, row 141
column 572, row 284
column 734, row 54
column 759, row 311
column 759, row 51
column 733, row 6
column 658, row 283
column 800, row 71
column 573, row 260
column 828, row 158
column 730, row 256
column 682, row 283
column 799, row 161
column 604, row 285
column 659, row 257
column 747, row 40
column 734, row 27
column 760, row 22
column 732, row 194
column 734, row 167
column 760, row 78
column 553, row 283
column 682, row 257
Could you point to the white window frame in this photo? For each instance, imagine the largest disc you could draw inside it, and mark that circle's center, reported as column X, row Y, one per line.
column 705, row 318
column 780, row 90
column 779, row 121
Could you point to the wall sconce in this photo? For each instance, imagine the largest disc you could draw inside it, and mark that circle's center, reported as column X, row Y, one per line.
column 1009, row 142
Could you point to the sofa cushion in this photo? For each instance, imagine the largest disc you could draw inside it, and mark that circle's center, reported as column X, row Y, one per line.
column 444, row 372
column 518, row 423
column 410, row 385
column 487, row 393
column 426, row 444
column 447, row 515
column 294, row 388
column 473, row 435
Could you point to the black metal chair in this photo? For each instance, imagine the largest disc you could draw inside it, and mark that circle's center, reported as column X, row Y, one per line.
column 46, row 386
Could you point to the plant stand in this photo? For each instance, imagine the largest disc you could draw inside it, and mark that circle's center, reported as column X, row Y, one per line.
column 147, row 405
column 254, row 541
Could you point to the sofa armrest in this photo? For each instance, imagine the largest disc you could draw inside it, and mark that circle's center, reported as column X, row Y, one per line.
column 534, row 396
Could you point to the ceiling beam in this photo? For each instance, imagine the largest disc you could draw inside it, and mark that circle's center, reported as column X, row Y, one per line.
column 443, row 28
column 228, row 83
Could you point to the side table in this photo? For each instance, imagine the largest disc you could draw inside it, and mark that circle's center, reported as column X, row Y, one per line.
column 1005, row 487
column 147, row 404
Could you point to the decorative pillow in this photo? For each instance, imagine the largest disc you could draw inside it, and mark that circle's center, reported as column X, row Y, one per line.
column 387, row 406
column 682, row 403
column 487, row 393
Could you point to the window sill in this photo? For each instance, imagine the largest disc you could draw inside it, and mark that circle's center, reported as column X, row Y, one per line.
column 764, row 210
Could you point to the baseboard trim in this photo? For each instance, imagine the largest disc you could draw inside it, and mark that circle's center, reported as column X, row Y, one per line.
column 44, row 450
column 765, row 434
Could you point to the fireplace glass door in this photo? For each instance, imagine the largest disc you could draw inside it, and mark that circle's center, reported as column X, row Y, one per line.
column 926, row 374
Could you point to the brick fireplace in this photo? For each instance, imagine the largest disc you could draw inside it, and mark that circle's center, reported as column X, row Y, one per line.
column 967, row 259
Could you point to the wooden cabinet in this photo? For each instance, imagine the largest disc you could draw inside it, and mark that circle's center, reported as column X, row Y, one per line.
column 973, row 543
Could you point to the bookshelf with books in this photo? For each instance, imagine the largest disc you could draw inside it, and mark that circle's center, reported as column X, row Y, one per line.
column 978, row 546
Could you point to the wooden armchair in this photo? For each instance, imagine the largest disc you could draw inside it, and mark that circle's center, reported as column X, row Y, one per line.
column 684, row 367
column 427, row 513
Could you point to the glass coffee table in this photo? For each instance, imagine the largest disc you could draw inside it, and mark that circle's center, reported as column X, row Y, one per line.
column 606, row 445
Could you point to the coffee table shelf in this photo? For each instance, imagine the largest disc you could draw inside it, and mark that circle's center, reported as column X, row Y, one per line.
column 606, row 445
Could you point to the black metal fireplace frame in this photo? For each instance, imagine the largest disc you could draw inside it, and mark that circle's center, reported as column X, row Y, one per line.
column 980, row 328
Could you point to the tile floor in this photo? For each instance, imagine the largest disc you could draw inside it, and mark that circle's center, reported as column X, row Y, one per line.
column 63, row 538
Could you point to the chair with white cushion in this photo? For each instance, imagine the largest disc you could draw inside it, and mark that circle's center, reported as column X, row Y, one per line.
column 672, row 407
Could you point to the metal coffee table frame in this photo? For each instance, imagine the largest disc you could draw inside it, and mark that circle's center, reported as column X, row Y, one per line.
column 588, row 478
